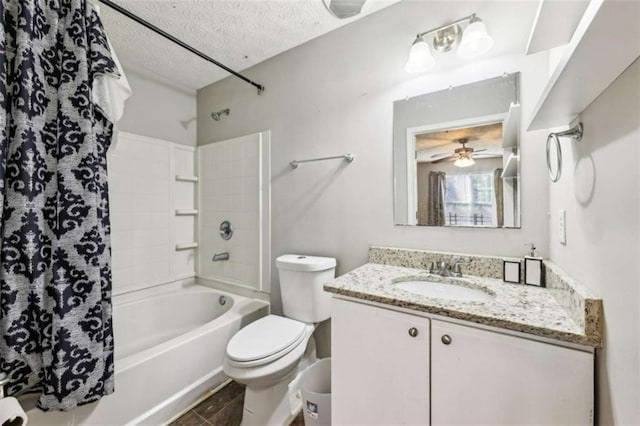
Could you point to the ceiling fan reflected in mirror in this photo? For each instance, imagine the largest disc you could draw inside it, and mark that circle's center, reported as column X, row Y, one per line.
column 463, row 157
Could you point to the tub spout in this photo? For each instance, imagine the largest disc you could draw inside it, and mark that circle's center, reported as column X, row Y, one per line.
column 220, row 256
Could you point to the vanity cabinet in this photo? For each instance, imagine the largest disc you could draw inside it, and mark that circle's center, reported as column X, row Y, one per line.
column 484, row 377
column 390, row 367
column 379, row 371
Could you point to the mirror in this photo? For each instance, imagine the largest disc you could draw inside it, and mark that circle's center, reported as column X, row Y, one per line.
column 457, row 156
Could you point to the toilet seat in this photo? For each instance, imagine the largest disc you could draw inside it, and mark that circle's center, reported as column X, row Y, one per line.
column 271, row 371
column 265, row 340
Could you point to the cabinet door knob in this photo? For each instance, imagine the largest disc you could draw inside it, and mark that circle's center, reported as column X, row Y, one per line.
column 413, row 332
column 446, row 339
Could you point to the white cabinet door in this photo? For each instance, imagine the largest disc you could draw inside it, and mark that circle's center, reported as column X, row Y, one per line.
column 380, row 372
column 487, row 378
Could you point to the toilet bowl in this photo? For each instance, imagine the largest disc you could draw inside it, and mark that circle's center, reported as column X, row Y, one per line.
column 267, row 368
column 253, row 357
column 268, row 355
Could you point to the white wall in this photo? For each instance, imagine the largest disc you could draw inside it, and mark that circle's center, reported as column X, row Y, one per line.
column 159, row 110
column 600, row 191
column 335, row 95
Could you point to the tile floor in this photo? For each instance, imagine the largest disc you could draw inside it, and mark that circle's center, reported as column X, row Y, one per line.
column 224, row 408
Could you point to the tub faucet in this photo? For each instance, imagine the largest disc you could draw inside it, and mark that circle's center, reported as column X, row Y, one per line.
column 220, row 256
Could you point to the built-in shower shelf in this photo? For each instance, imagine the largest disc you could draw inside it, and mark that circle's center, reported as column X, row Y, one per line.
column 186, row 246
column 185, row 178
column 510, row 170
column 186, row 212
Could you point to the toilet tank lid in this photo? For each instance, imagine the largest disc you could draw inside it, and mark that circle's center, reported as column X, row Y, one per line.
column 300, row 262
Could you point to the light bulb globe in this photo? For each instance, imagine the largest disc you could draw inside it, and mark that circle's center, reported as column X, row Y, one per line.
column 420, row 59
column 475, row 40
column 464, row 162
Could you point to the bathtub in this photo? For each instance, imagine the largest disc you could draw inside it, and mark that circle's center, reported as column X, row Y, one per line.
column 170, row 344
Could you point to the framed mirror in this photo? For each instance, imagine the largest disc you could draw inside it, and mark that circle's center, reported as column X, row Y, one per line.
column 457, row 156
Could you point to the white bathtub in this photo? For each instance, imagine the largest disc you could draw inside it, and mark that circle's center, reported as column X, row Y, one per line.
column 170, row 345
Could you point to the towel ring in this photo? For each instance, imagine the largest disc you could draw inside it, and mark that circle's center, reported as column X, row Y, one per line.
column 574, row 133
column 554, row 176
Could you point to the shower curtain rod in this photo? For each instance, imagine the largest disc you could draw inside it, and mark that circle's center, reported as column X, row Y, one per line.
column 180, row 43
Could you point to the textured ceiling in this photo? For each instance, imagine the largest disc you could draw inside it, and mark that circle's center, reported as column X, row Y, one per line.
column 489, row 134
column 485, row 140
column 238, row 33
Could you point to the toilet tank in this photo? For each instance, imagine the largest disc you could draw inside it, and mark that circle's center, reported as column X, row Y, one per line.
column 301, row 281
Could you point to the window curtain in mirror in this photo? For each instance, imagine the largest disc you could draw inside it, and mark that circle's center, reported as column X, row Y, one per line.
column 498, row 190
column 55, row 272
column 435, row 209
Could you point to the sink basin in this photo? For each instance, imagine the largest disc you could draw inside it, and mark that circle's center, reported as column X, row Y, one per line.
column 442, row 290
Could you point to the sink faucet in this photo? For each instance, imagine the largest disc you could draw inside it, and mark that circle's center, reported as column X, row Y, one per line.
column 445, row 270
column 439, row 268
column 456, row 271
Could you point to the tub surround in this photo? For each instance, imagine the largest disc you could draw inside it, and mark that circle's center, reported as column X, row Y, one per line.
column 565, row 311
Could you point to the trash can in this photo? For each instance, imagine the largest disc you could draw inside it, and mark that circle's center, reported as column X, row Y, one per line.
column 315, row 385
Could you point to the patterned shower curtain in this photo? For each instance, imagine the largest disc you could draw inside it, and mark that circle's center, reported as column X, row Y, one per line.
column 55, row 273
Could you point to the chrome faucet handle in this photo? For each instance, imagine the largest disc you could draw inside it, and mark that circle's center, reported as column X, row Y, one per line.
column 456, row 271
column 433, row 268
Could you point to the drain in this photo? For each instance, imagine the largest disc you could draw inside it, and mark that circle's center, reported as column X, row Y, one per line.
column 222, row 300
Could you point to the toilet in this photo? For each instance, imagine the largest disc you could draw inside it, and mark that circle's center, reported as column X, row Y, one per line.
column 268, row 354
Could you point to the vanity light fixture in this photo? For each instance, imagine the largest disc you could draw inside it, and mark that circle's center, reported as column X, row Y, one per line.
column 474, row 41
column 420, row 59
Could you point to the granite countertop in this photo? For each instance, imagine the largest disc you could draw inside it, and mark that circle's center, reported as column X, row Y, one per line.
column 527, row 309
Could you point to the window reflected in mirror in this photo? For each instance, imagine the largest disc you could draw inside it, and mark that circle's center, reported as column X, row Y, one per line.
column 459, row 177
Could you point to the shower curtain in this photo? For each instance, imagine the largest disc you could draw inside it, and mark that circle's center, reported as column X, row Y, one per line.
column 435, row 209
column 55, row 273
